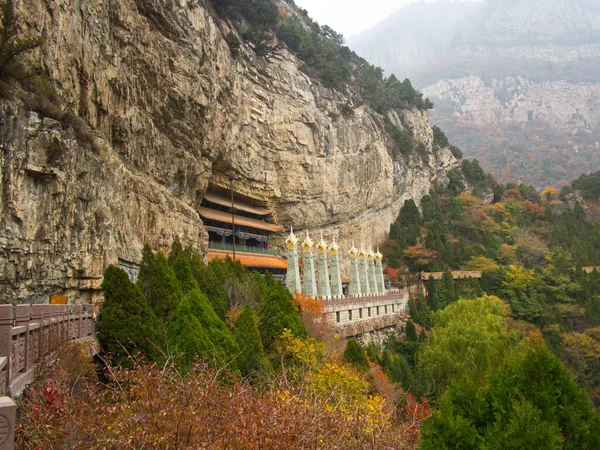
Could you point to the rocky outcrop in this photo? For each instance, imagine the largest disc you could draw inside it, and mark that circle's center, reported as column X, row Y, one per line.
column 171, row 110
column 567, row 106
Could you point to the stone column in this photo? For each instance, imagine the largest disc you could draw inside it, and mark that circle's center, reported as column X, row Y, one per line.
column 323, row 287
column 292, row 277
column 354, row 288
column 363, row 271
column 6, row 322
column 336, row 275
column 7, row 423
column 371, row 272
column 379, row 271
column 309, row 283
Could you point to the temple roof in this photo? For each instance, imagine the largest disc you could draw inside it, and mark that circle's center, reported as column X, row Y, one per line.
column 250, row 259
column 225, row 217
column 237, row 204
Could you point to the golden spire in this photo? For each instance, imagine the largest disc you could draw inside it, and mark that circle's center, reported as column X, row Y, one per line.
column 307, row 245
column 322, row 245
column 370, row 255
column 292, row 240
column 353, row 251
column 362, row 253
column 334, row 248
column 378, row 255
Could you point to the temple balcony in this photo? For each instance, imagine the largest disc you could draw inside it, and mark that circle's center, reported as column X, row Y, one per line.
column 242, row 248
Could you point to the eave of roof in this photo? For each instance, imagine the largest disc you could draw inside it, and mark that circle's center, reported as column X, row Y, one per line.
column 237, row 204
column 220, row 216
column 250, row 259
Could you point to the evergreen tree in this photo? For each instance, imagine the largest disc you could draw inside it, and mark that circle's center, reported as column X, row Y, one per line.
column 278, row 313
column 213, row 287
column 411, row 330
column 252, row 356
column 531, row 402
column 448, row 292
column 183, row 274
column 158, row 284
column 197, row 330
column 354, row 354
column 176, row 251
column 127, row 323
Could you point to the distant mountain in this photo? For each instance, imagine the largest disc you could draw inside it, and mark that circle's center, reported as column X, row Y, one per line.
column 413, row 36
column 516, row 82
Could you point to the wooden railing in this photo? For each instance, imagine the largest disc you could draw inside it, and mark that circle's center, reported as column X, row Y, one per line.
column 30, row 333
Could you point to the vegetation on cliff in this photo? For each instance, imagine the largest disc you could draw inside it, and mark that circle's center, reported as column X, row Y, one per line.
column 322, row 51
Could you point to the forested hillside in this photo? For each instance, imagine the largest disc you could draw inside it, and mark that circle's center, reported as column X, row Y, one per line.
column 483, row 343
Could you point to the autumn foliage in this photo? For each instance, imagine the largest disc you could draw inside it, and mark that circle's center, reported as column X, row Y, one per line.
column 329, row 406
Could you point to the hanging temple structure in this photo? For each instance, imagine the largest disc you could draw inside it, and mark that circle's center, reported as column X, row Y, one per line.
column 366, row 270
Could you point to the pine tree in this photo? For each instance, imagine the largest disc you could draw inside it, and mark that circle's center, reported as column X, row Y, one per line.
column 449, row 294
column 213, row 287
column 194, row 320
column 183, row 274
column 278, row 313
column 158, row 284
column 245, row 330
column 411, row 330
column 127, row 323
column 176, row 251
column 354, row 354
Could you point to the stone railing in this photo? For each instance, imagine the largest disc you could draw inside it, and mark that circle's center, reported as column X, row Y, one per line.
column 396, row 294
column 30, row 333
column 242, row 248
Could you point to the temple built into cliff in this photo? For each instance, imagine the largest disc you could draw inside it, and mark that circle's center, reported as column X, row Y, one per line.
column 241, row 225
column 325, row 279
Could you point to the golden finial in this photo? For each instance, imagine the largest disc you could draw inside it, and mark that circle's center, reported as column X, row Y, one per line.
column 308, row 243
column 292, row 240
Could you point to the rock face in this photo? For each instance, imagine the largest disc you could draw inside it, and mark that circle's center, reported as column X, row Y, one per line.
column 154, row 108
column 516, row 82
column 517, row 100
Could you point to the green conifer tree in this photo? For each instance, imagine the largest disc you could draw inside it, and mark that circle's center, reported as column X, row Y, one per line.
column 278, row 313
column 176, row 251
column 183, row 274
column 127, row 323
column 411, row 331
column 158, row 284
column 252, row 356
column 355, row 355
column 213, row 287
column 194, row 320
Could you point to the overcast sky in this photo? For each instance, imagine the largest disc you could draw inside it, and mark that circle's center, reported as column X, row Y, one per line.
column 350, row 16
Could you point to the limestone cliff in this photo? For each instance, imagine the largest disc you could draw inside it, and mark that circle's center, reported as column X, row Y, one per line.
column 151, row 108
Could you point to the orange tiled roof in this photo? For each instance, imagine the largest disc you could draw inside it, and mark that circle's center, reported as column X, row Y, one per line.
column 221, row 216
column 224, row 201
column 250, row 259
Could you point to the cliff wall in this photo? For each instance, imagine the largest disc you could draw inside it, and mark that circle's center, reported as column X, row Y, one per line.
column 151, row 107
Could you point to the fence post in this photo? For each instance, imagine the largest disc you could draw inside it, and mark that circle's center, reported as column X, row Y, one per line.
column 7, row 423
column 36, row 335
column 46, row 334
column 6, row 322
column 23, row 320
column 64, row 326
column 78, row 316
